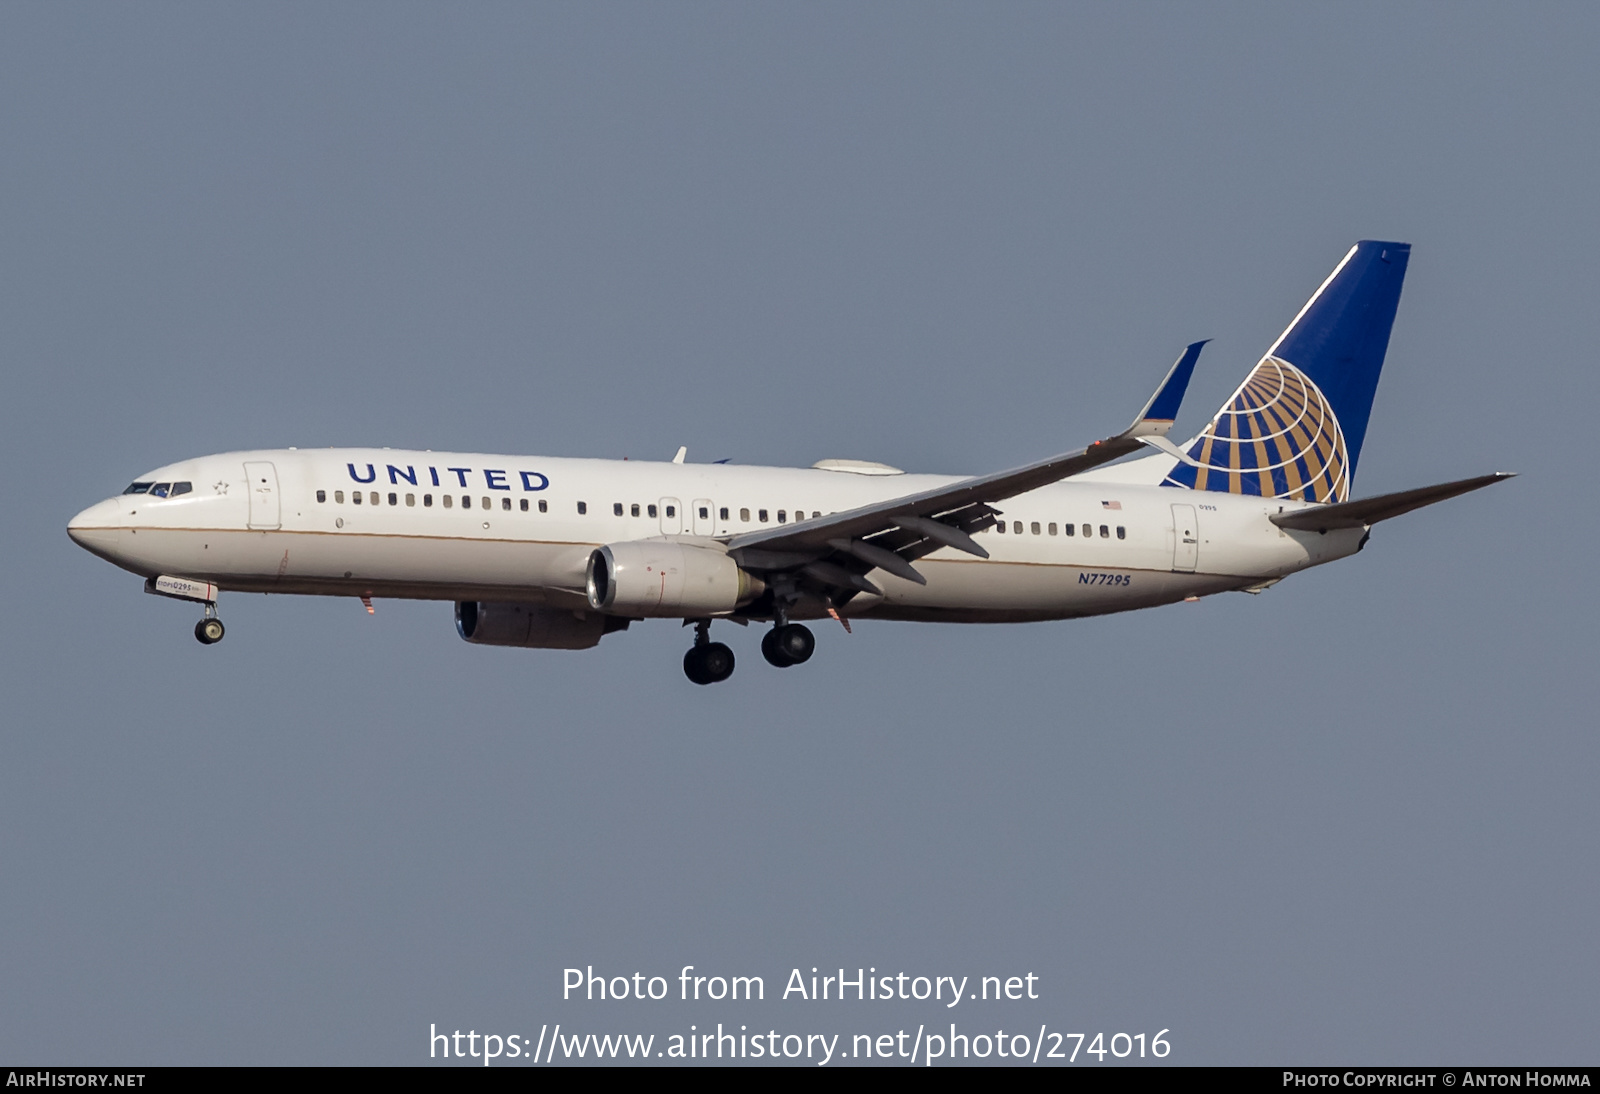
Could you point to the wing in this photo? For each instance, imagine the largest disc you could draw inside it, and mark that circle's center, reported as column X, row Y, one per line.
column 1358, row 514
column 835, row 553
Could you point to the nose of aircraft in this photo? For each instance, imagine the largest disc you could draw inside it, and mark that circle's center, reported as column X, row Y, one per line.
column 98, row 528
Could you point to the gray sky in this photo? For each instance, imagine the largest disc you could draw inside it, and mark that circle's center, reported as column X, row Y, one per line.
column 1353, row 819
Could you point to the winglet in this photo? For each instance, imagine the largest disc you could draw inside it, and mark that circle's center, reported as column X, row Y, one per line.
column 1162, row 409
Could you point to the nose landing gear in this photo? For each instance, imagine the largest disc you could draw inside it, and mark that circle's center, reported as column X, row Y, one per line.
column 788, row 644
column 210, row 629
column 707, row 662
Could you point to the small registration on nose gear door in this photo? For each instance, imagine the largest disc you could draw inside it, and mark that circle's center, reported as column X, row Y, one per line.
column 263, row 478
column 1185, row 538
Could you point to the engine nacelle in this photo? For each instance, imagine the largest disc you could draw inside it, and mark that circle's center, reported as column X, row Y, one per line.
column 663, row 577
column 509, row 623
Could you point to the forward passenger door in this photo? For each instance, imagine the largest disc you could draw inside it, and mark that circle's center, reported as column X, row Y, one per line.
column 262, row 479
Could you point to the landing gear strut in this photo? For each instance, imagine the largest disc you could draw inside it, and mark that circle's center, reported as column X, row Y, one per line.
column 707, row 662
column 788, row 644
column 209, row 630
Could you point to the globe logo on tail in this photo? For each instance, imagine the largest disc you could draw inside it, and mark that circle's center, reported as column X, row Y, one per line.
column 1277, row 438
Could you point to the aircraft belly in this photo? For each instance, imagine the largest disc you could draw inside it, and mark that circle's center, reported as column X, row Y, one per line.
column 289, row 562
column 1008, row 590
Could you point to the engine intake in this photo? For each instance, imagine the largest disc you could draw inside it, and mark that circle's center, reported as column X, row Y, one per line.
column 498, row 623
column 661, row 577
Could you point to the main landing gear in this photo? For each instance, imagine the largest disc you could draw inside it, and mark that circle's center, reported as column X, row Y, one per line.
column 210, row 629
column 788, row 644
column 707, row 662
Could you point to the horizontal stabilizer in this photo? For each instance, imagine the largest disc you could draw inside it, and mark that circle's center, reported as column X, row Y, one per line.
column 1358, row 514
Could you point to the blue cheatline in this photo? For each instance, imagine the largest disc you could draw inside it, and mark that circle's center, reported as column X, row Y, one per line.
column 1295, row 426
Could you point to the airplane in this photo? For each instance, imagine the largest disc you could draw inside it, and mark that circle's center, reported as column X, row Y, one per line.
column 554, row 553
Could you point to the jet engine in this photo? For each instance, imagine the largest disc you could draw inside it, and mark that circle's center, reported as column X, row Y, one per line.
column 663, row 577
column 498, row 623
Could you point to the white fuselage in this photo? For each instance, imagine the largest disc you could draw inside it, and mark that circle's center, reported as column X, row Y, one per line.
column 459, row 526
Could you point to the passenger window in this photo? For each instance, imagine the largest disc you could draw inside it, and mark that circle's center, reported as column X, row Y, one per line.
column 137, row 488
column 411, row 499
column 634, row 510
column 782, row 516
column 544, row 506
column 322, row 496
column 338, row 496
column 583, row 507
column 355, row 497
column 394, row 499
column 448, row 501
column 373, row 497
column 505, row 504
column 1122, row 533
column 723, row 513
column 761, row 515
column 1069, row 529
column 488, row 503
column 650, row 510
column 1052, row 528
column 815, row 513
column 744, row 514
column 1105, row 533
column 181, row 488
column 427, row 501
column 1088, row 530
column 466, row 502
column 1035, row 528
column 1016, row 527
column 616, row 508
column 524, row 505
column 704, row 512
column 159, row 490
column 1001, row 527
column 672, row 511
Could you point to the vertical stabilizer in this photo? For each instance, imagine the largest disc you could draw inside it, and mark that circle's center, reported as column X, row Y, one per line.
column 1294, row 428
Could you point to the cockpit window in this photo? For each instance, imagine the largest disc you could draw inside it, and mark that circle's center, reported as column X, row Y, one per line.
column 138, row 488
column 181, row 488
column 160, row 489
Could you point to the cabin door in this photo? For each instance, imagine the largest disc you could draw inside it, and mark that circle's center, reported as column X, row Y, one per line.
column 263, row 482
column 1185, row 539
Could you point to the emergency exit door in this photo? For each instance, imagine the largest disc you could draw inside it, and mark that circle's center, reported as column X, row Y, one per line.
column 703, row 517
column 671, row 517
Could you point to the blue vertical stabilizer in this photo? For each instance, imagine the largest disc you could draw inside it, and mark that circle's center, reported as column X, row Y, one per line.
column 1294, row 428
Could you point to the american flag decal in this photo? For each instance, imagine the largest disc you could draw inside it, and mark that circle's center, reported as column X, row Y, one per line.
column 1111, row 505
